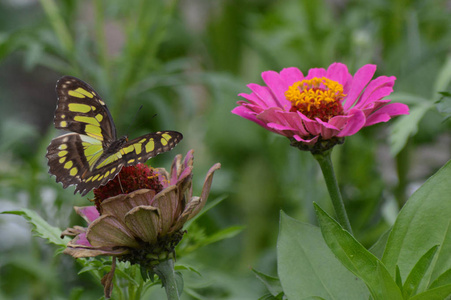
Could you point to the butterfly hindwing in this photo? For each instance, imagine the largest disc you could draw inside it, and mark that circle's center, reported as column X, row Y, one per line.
column 71, row 157
column 147, row 146
column 91, row 155
column 80, row 109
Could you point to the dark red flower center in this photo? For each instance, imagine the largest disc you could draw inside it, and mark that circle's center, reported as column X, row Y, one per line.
column 316, row 98
column 129, row 179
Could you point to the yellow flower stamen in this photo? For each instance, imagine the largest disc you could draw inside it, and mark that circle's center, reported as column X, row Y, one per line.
column 316, row 98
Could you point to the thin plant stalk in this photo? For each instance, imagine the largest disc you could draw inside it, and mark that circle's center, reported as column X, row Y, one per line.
column 325, row 162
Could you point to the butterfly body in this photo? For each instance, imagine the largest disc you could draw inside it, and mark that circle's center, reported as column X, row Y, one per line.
column 114, row 147
column 91, row 154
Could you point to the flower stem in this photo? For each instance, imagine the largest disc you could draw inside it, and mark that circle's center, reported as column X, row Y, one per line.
column 165, row 270
column 325, row 162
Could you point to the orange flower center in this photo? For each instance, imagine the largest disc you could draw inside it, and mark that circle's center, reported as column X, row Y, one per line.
column 316, row 98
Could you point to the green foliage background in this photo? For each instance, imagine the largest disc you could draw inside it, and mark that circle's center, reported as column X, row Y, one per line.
column 186, row 61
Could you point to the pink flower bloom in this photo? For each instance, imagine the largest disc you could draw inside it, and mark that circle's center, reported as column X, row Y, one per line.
column 325, row 104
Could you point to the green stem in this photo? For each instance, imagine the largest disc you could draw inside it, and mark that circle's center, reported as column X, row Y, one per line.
column 402, row 169
column 101, row 43
column 165, row 270
column 327, row 168
column 58, row 24
column 62, row 31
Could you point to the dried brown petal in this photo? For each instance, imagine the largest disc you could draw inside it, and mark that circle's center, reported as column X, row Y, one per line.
column 205, row 191
column 143, row 221
column 107, row 280
column 107, row 231
column 168, row 202
column 120, row 205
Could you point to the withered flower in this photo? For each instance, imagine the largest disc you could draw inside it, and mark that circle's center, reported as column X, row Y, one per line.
column 139, row 216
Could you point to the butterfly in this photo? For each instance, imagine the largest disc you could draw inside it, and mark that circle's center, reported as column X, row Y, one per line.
column 91, row 154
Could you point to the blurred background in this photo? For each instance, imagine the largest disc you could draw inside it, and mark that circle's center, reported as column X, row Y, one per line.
column 186, row 61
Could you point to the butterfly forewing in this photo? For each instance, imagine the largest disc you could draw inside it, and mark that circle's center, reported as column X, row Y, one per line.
column 80, row 109
column 91, row 155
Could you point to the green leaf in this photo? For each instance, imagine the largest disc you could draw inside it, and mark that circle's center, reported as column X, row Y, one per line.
column 423, row 223
column 443, row 279
column 180, row 266
column 307, row 267
column 444, row 106
column 41, row 228
column 443, row 78
column 378, row 248
column 398, row 278
column 357, row 259
column 209, row 205
column 179, row 282
column 272, row 283
column 438, row 293
column 226, row 233
column 267, row 297
column 412, row 283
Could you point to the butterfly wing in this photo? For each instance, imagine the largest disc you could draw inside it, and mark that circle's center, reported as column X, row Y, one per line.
column 141, row 149
column 73, row 156
column 70, row 157
column 80, row 109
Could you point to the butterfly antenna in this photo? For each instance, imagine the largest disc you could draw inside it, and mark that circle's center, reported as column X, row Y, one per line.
column 120, row 184
column 134, row 119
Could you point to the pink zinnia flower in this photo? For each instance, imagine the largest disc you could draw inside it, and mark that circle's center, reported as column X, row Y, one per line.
column 326, row 105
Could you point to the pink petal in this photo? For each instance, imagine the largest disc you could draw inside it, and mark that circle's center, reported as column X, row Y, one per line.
column 261, row 96
column 360, row 80
column 376, row 90
column 89, row 213
column 278, row 87
column 245, row 113
column 163, row 176
column 306, row 141
column 354, row 124
column 189, row 159
column 327, row 130
column 373, row 106
column 316, row 72
column 339, row 121
column 175, row 168
column 279, row 127
column 338, row 72
column 294, row 121
column 291, row 75
column 185, row 174
column 312, row 127
column 270, row 115
column 252, row 108
column 387, row 112
column 81, row 240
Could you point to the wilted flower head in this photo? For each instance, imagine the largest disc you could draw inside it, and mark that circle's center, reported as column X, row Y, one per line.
column 318, row 110
column 143, row 224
